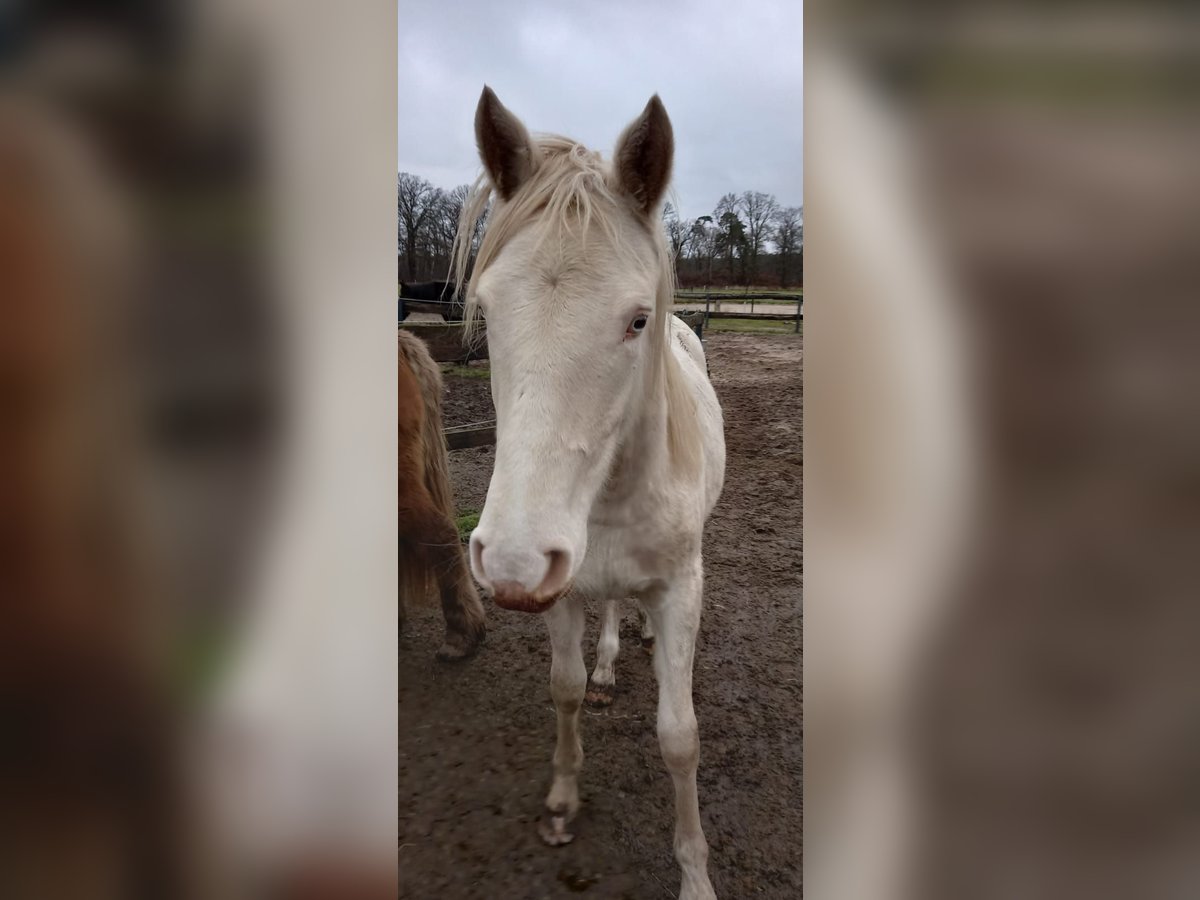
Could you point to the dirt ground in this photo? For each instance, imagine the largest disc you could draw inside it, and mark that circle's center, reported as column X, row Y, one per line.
column 476, row 738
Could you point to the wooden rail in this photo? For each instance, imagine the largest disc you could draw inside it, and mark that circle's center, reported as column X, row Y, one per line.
column 712, row 306
column 451, row 311
column 739, row 298
column 464, row 437
column 779, row 317
column 445, row 341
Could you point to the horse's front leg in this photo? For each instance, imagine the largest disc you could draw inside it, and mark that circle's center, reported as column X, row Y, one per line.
column 568, row 681
column 675, row 614
column 461, row 607
column 429, row 539
column 604, row 677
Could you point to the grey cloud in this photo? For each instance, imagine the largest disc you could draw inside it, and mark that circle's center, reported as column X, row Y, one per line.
column 730, row 75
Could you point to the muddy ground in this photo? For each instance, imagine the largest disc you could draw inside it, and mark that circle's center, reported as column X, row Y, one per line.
column 476, row 738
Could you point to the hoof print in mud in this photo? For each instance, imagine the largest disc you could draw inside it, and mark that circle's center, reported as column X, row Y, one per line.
column 553, row 829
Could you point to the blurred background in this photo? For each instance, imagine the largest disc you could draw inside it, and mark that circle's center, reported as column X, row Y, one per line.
column 183, row 383
column 1001, row 602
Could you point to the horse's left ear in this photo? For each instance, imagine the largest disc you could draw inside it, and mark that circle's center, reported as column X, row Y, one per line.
column 643, row 157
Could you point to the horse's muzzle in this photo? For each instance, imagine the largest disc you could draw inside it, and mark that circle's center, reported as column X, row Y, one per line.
column 510, row 595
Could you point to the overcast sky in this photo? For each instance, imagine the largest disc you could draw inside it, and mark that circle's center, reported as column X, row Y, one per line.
column 729, row 73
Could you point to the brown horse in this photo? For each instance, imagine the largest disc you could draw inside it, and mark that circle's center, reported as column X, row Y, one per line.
column 92, row 798
column 430, row 550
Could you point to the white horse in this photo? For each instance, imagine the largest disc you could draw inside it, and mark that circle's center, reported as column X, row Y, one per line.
column 609, row 446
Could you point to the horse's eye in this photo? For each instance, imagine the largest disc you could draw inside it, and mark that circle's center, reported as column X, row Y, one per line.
column 638, row 323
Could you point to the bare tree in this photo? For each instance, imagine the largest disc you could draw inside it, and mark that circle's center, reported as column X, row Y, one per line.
column 731, row 241
column 442, row 225
column 788, row 235
column 677, row 233
column 704, row 245
column 759, row 209
column 415, row 199
column 480, row 227
column 687, row 246
column 731, row 233
column 429, row 238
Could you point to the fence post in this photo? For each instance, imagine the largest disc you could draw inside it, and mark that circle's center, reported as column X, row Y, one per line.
column 751, row 306
column 799, row 304
column 706, row 299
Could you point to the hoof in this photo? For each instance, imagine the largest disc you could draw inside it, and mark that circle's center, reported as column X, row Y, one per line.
column 458, row 647
column 599, row 694
column 553, row 829
column 648, row 645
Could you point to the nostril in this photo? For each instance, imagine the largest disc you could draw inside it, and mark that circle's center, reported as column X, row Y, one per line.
column 477, row 559
column 558, row 572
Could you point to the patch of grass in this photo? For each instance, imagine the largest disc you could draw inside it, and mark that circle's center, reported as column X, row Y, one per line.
column 467, row 371
column 753, row 326
column 202, row 652
column 466, row 523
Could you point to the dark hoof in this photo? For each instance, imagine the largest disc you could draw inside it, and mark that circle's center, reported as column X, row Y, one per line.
column 458, row 647
column 648, row 645
column 599, row 694
column 553, row 829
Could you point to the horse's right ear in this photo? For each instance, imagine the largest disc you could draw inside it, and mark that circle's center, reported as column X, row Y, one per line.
column 504, row 145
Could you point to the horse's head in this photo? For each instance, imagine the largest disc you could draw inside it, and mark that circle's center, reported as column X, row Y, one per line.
column 575, row 284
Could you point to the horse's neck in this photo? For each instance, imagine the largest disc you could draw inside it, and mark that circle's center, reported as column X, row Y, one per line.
column 642, row 460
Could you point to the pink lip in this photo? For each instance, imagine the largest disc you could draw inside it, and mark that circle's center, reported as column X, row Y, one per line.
column 511, row 596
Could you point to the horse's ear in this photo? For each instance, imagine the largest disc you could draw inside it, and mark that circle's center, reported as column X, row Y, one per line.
column 504, row 145
column 643, row 157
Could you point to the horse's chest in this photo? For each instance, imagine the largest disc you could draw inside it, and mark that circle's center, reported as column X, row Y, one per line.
column 619, row 562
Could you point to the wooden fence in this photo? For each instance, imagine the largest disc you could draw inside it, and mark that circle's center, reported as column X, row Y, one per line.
column 447, row 309
column 447, row 341
column 712, row 306
column 464, row 437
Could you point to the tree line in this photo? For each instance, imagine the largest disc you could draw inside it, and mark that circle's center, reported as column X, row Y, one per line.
column 749, row 239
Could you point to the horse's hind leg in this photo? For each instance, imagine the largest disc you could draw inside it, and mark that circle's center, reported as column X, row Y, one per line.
column 604, row 677
column 647, row 630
